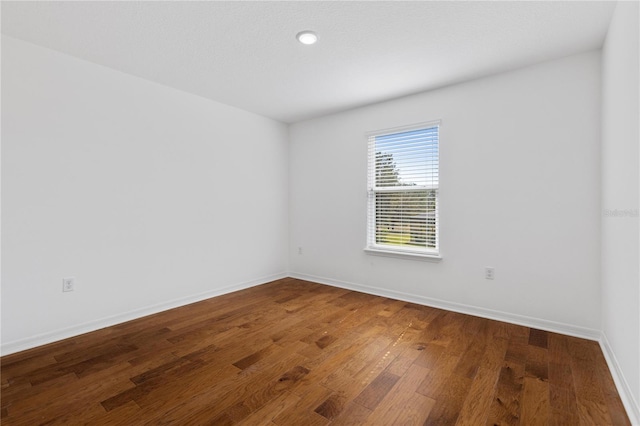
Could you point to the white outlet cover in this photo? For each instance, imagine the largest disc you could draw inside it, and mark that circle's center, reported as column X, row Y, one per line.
column 489, row 273
column 68, row 284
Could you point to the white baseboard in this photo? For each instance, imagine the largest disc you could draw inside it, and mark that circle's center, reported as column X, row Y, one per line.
column 629, row 402
column 556, row 327
column 7, row 348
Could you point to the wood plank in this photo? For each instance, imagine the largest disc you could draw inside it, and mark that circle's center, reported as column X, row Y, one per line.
column 326, row 364
column 344, row 374
column 610, row 393
column 563, row 405
column 332, row 406
column 449, row 402
column 475, row 409
column 81, row 400
column 506, row 405
column 375, row 392
column 303, row 411
column 536, row 409
column 352, row 415
column 272, row 410
column 249, row 360
column 538, row 338
column 355, row 379
column 264, row 395
column 130, row 410
column 402, row 405
column 537, row 363
column 191, row 400
column 518, row 345
column 561, row 385
column 589, row 397
column 437, row 378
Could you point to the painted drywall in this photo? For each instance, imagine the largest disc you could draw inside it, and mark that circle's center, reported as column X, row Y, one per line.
column 620, row 198
column 149, row 196
column 520, row 191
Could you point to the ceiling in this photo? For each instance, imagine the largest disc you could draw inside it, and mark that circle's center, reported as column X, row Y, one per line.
column 245, row 53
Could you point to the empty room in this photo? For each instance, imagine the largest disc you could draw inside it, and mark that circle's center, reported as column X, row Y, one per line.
column 320, row 213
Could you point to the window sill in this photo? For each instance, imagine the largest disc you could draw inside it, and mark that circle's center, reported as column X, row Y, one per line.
column 427, row 257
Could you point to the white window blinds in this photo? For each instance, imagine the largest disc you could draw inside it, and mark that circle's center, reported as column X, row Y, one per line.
column 403, row 189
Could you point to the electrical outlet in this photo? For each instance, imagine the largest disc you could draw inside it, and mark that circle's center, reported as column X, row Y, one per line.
column 489, row 273
column 68, row 283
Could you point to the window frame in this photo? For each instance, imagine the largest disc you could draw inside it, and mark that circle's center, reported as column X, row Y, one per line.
column 373, row 248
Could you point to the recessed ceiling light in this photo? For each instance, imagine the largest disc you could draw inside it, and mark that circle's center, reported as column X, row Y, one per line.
column 307, row 37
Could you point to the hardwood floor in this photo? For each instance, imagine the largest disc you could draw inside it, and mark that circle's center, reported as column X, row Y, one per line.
column 298, row 353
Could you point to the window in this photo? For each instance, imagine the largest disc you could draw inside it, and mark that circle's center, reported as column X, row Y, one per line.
column 403, row 191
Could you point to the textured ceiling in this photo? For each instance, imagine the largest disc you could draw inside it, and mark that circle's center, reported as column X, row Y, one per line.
column 245, row 53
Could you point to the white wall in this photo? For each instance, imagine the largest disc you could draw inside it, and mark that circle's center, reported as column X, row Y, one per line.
column 520, row 191
column 621, row 192
column 149, row 196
